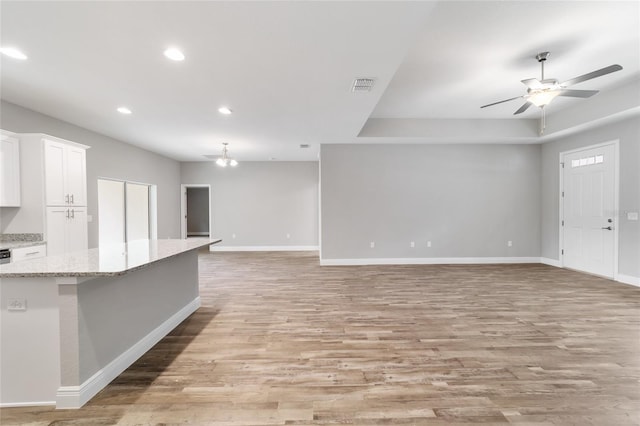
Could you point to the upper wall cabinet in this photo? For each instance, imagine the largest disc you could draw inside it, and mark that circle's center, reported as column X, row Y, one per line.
column 65, row 174
column 9, row 169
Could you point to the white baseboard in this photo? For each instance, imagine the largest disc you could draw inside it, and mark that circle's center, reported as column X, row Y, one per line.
column 550, row 262
column 628, row 279
column 263, row 248
column 77, row 396
column 26, row 404
column 428, row 261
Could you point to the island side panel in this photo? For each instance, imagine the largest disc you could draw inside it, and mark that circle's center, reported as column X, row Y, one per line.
column 119, row 318
column 29, row 345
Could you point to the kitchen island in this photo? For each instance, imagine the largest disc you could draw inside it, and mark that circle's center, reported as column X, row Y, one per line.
column 72, row 323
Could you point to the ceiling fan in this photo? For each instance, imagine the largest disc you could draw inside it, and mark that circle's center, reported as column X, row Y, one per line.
column 541, row 92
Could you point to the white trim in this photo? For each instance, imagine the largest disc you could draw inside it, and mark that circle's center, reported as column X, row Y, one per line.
column 26, row 404
column 428, row 261
column 628, row 279
column 77, row 396
column 196, row 234
column 550, row 262
column 263, row 248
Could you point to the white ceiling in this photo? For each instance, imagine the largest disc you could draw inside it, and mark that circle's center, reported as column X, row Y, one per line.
column 286, row 68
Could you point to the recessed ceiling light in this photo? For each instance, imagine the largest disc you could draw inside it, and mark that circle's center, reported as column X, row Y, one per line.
column 224, row 110
column 174, row 54
column 124, row 110
column 12, row 52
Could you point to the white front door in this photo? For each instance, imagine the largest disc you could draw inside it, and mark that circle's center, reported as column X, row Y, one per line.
column 589, row 210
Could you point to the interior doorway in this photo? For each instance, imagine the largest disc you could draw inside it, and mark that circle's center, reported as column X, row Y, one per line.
column 196, row 210
column 589, row 209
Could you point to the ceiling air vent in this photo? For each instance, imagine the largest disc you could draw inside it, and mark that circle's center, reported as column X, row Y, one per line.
column 304, row 145
column 362, row 84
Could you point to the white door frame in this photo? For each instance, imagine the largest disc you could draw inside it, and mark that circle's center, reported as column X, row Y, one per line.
column 616, row 199
column 183, row 207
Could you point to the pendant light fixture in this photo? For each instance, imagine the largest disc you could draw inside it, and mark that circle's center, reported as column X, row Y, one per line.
column 224, row 161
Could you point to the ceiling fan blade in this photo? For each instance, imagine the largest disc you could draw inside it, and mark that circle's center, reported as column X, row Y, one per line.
column 532, row 83
column 523, row 108
column 578, row 93
column 499, row 102
column 593, row 74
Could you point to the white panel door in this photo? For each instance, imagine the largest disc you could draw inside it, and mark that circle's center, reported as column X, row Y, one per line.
column 589, row 210
column 54, row 168
column 137, row 211
column 56, row 230
column 76, row 176
column 111, row 219
column 77, row 238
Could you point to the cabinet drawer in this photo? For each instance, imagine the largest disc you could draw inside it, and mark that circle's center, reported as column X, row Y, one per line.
column 26, row 253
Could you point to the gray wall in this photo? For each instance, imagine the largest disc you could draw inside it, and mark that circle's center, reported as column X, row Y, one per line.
column 260, row 202
column 468, row 200
column 628, row 132
column 107, row 158
column 197, row 210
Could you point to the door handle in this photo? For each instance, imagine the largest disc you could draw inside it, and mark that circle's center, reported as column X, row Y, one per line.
column 66, row 198
column 73, row 214
column 67, row 213
column 71, row 198
column 608, row 228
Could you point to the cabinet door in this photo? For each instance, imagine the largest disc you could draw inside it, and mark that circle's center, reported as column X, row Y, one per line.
column 9, row 172
column 56, row 229
column 76, row 181
column 54, row 173
column 77, row 235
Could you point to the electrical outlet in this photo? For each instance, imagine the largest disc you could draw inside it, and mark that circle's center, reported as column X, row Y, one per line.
column 233, row 236
column 428, row 243
column 288, row 236
column 372, row 244
column 509, row 243
column 413, row 244
column 17, row 305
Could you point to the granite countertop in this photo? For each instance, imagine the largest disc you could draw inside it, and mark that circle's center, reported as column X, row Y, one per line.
column 105, row 261
column 12, row 241
column 19, row 244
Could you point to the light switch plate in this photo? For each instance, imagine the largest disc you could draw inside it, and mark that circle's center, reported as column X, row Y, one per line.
column 632, row 215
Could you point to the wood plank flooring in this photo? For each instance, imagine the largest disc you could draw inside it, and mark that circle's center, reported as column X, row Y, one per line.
column 280, row 340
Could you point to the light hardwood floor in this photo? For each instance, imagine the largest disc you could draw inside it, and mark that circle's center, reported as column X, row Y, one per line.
column 281, row 340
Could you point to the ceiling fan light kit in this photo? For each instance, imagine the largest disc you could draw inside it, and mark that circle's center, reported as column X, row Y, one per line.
column 541, row 92
column 225, row 161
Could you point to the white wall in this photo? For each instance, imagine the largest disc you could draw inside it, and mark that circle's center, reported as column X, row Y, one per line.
column 628, row 133
column 468, row 200
column 107, row 158
column 260, row 202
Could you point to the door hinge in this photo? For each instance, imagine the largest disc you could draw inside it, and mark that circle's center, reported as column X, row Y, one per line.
column 563, row 193
column 563, row 223
column 562, row 251
column 562, row 164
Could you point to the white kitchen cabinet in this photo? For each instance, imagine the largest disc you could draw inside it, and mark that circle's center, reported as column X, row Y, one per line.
column 9, row 170
column 65, row 174
column 66, row 229
column 27, row 253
